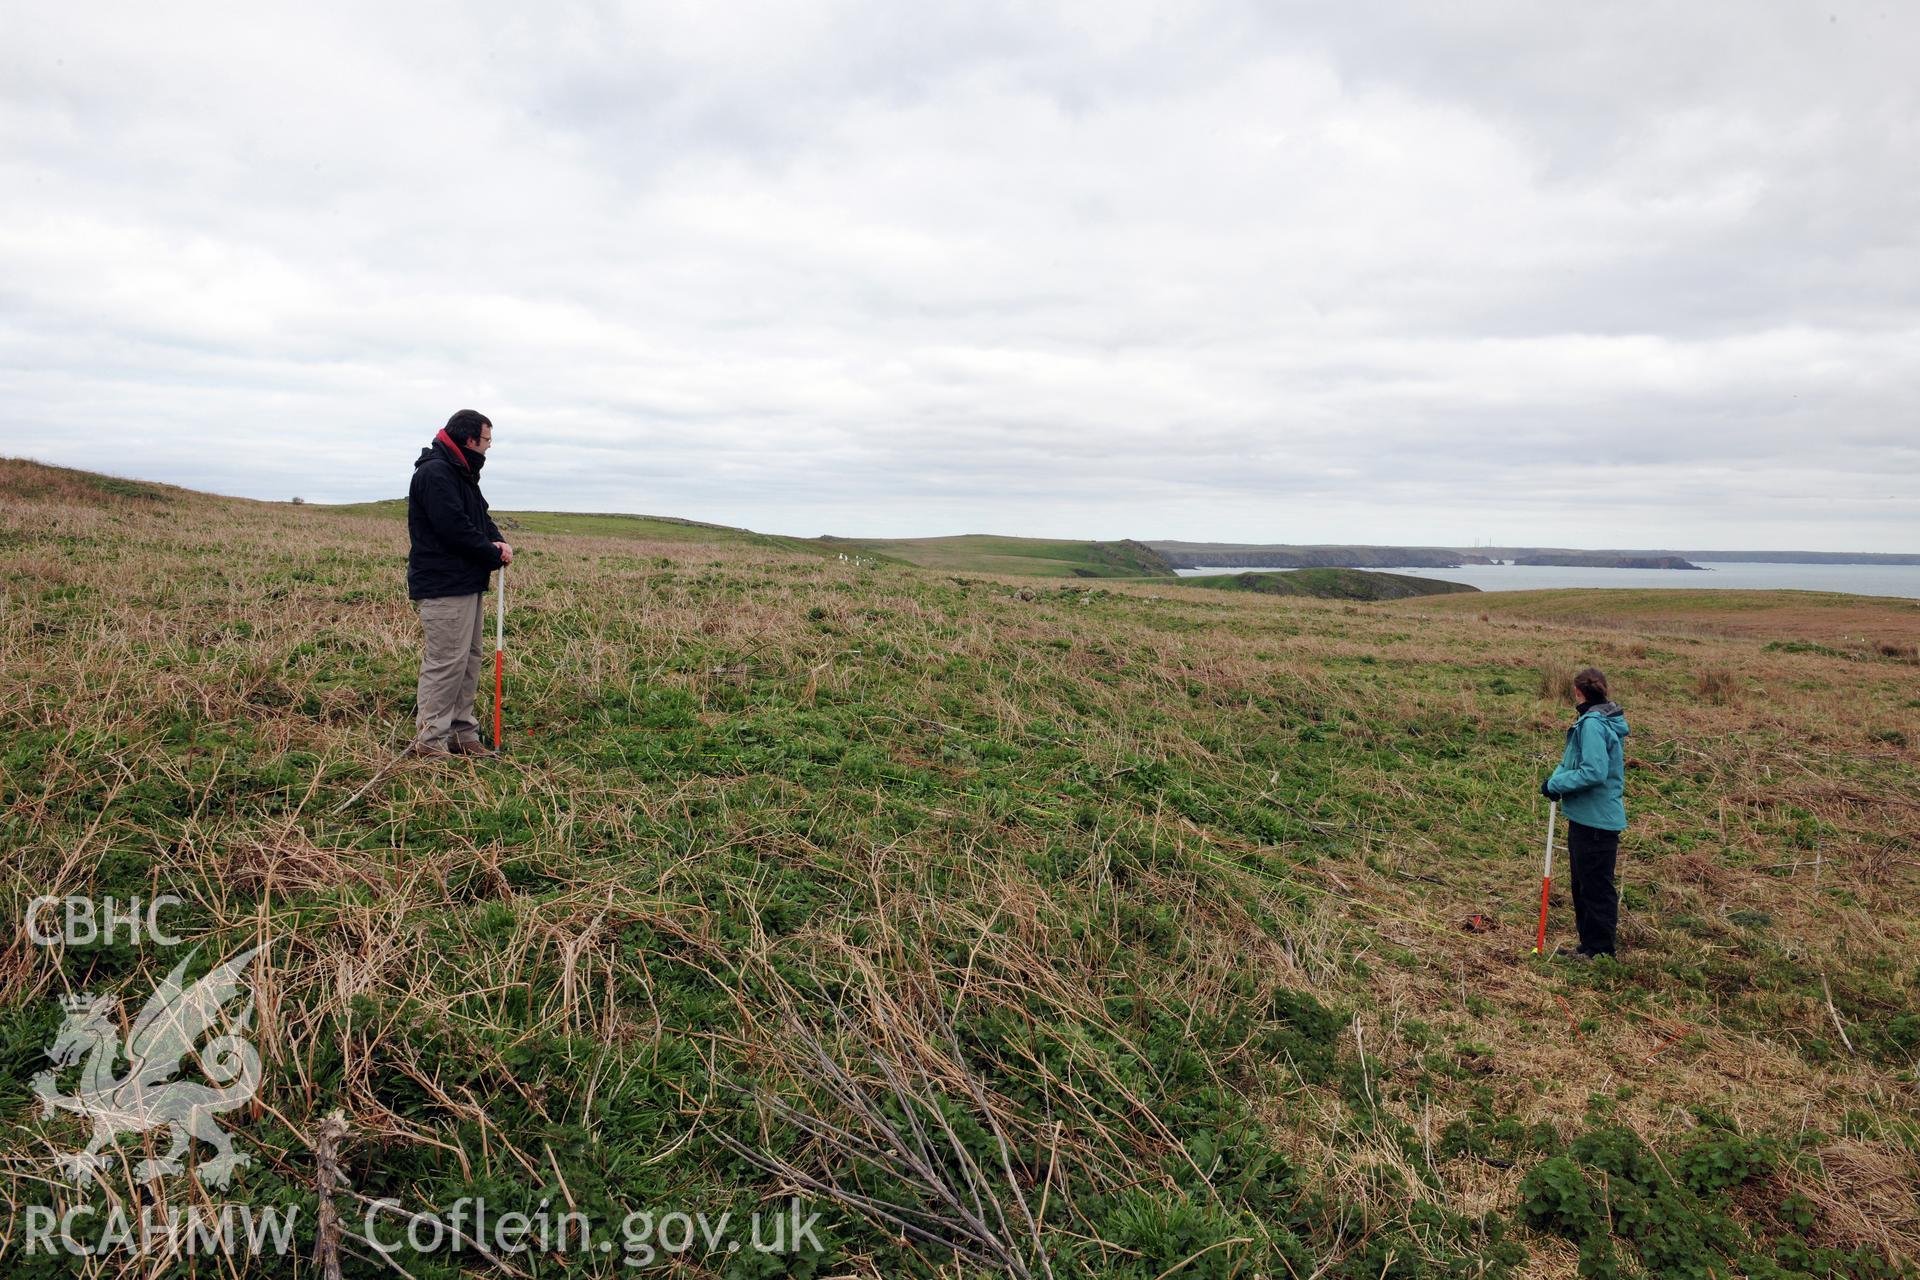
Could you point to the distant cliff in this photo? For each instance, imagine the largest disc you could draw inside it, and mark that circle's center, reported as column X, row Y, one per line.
column 1605, row 561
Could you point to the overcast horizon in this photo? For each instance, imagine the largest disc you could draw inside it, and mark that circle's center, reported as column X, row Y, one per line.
column 1622, row 276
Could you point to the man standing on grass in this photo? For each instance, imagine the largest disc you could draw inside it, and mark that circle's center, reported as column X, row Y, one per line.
column 1590, row 785
column 455, row 548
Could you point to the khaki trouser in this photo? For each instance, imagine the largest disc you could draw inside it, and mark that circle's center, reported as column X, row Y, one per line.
column 450, row 668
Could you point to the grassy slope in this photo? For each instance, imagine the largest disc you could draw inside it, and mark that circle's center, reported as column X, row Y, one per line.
column 1329, row 584
column 1033, row 557
column 1145, row 869
column 1846, row 623
column 1322, row 555
column 586, row 524
column 971, row 553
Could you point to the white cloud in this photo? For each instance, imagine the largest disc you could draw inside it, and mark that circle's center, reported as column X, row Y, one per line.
column 1229, row 271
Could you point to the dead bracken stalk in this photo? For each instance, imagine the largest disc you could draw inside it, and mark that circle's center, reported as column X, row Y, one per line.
column 1827, row 990
column 957, row 1204
column 383, row 771
column 328, row 1180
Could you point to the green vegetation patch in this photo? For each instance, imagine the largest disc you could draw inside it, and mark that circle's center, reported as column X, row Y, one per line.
column 1330, row 584
column 1704, row 1207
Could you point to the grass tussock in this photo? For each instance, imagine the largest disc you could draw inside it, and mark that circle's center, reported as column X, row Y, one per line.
column 1716, row 685
column 1092, row 929
column 1556, row 682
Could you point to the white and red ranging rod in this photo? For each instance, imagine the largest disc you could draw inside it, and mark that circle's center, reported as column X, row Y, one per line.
column 500, row 654
column 1546, row 881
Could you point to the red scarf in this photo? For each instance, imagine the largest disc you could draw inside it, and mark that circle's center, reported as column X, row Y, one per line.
column 458, row 456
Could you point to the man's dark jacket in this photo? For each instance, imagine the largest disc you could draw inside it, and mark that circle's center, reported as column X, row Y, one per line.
column 453, row 536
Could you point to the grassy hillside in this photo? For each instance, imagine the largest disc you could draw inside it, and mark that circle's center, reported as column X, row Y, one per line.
column 1113, row 931
column 971, row 553
column 1204, row 555
column 1034, row 557
column 592, row 525
column 1329, row 584
column 1870, row 626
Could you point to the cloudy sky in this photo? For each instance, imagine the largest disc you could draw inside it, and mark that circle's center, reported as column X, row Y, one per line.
column 1595, row 275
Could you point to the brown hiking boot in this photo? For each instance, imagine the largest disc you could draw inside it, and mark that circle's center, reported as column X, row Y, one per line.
column 428, row 750
column 472, row 747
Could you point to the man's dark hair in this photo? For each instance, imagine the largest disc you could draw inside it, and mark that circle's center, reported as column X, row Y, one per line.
column 465, row 425
column 1592, row 684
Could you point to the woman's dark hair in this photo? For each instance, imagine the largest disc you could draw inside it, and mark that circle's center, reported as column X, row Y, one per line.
column 1592, row 684
column 465, row 425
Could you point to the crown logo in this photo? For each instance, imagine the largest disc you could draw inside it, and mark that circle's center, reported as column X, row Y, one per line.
column 79, row 1002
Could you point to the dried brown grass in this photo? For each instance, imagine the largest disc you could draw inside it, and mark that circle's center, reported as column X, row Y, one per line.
column 182, row 626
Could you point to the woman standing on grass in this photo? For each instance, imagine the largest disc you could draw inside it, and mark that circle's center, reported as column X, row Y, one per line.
column 1590, row 785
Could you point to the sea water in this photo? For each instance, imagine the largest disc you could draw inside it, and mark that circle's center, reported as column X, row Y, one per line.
column 1902, row 580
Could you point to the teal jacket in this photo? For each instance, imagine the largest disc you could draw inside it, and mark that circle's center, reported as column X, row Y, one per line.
column 1591, row 780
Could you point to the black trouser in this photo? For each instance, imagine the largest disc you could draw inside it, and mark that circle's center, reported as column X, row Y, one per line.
column 1596, row 905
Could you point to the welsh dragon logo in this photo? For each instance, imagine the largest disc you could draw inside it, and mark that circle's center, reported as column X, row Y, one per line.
column 146, row 1096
